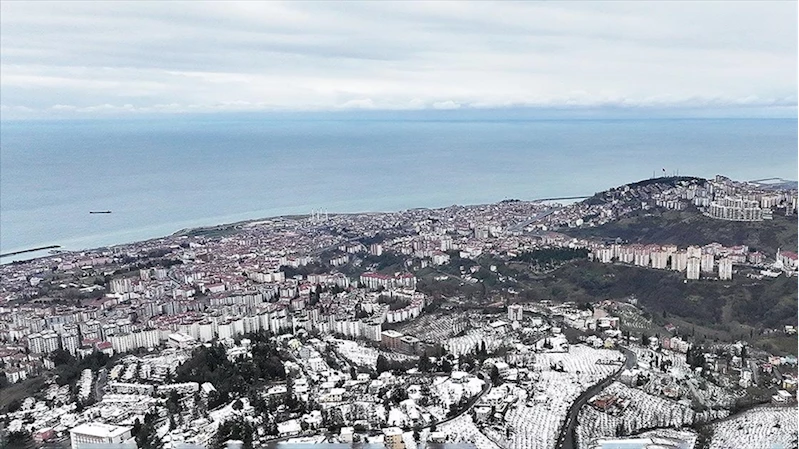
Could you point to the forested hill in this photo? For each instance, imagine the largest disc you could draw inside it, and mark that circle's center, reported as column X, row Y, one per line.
column 690, row 227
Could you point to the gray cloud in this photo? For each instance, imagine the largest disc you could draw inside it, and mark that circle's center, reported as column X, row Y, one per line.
column 64, row 58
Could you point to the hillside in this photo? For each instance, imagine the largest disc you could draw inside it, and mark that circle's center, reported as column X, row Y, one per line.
column 731, row 308
column 642, row 190
column 689, row 227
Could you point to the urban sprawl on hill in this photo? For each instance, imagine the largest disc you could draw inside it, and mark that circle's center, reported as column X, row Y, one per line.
column 662, row 312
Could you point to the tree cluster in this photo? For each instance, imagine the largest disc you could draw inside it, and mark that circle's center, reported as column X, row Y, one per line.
column 695, row 357
column 384, row 364
column 68, row 368
column 234, row 429
column 233, row 379
column 145, row 433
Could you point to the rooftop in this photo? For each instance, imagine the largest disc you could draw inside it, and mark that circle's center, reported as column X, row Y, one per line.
column 100, row 430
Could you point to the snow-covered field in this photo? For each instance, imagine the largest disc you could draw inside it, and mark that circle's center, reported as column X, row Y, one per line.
column 644, row 411
column 472, row 341
column 463, row 430
column 536, row 423
column 761, row 428
column 434, row 327
column 447, row 391
column 355, row 353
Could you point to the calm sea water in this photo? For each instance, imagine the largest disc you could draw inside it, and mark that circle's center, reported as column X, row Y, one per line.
column 161, row 176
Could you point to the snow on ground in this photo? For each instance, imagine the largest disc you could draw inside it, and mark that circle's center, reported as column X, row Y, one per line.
column 463, row 430
column 472, row 341
column 580, row 359
column 448, row 390
column 435, row 327
column 643, row 411
column 396, row 417
column 761, row 428
column 676, row 437
column 535, row 423
column 356, row 353
column 438, row 411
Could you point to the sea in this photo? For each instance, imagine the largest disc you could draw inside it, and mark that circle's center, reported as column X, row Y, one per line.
column 158, row 176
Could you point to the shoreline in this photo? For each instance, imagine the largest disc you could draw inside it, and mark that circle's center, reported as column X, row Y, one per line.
column 232, row 224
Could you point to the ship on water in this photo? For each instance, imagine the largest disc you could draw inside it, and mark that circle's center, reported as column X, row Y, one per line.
column 99, row 211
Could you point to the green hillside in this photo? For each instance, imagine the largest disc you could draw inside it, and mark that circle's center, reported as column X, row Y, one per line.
column 689, row 227
column 731, row 309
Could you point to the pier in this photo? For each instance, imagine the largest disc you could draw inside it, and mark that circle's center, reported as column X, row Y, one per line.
column 29, row 250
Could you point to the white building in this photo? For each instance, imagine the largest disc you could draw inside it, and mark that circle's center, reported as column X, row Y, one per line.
column 659, row 260
column 97, row 433
column 679, row 261
column 707, row 263
column 43, row 343
column 180, row 340
column 692, row 268
column 725, row 269
column 736, row 209
column 515, row 312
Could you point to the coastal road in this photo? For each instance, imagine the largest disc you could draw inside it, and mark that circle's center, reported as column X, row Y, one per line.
column 566, row 437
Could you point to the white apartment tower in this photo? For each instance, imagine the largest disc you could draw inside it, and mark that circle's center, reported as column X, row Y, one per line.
column 515, row 312
column 660, row 260
column 707, row 263
column 692, row 268
column 679, row 261
column 725, row 269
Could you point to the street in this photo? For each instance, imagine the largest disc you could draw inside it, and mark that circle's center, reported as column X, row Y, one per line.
column 567, row 433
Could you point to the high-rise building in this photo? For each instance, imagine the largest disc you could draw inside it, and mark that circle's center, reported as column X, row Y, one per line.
column 660, row 260
column 694, row 251
column 692, row 268
column 70, row 339
column 515, row 312
column 725, row 269
column 679, row 261
column 736, row 208
column 707, row 263
column 44, row 342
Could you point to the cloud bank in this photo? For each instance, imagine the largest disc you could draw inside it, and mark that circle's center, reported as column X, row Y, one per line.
column 67, row 59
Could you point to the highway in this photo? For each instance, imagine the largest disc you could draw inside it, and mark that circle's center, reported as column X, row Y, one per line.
column 566, row 436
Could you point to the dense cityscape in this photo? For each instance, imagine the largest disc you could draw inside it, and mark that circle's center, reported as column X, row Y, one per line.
column 403, row 329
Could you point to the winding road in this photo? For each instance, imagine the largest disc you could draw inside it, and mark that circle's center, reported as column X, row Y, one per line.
column 566, row 436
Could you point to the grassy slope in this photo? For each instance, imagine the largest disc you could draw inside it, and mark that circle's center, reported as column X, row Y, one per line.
column 689, row 227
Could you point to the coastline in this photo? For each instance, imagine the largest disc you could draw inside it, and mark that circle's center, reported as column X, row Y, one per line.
column 65, row 247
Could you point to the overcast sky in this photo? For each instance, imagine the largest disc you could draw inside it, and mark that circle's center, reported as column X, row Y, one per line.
column 92, row 58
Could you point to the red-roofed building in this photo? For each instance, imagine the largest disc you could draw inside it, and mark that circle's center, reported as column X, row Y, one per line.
column 788, row 259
